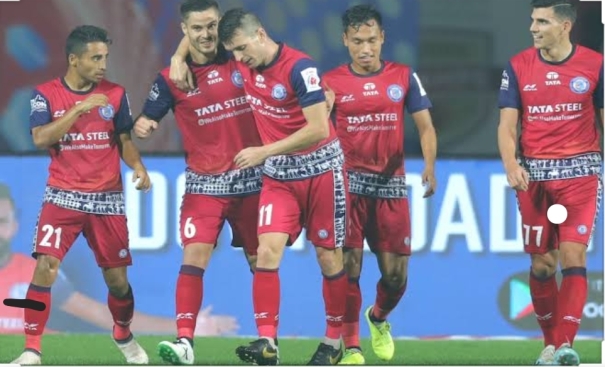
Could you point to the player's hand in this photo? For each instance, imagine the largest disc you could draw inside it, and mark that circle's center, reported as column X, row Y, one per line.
column 330, row 98
column 429, row 181
column 94, row 100
column 140, row 173
column 181, row 75
column 517, row 176
column 250, row 157
column 143, row 127
column 213, row 325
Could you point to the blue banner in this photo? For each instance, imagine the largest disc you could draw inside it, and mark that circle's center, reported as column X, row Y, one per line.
column 467, row 275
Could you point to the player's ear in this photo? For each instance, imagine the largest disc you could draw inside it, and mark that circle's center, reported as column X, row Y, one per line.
column 72, row 59
column 345, row 41
column 184, row 28
column 382, row 36
column 262, row 35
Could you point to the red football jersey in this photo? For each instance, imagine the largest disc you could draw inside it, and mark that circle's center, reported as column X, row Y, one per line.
column 215, row 120
column 557, row 102
column 278, row 93
column 369, row 114
column 87, row 158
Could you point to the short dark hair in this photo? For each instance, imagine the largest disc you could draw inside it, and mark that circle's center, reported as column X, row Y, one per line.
column 83, row 35
column 5, row 194
column 359, row 15
column 563, row 9
column 234, row 20
column 190, row 6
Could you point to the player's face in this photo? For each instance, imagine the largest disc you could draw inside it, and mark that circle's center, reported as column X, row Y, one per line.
column 249, row 48
column 201, row 28
column 92, row 64
column 547, row 30
column 8, row 224
column 365, row 45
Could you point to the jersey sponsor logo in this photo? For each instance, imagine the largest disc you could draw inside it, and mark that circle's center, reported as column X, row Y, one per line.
column 311, row 79
column 38, row 104
column 214, row 77
column 504, row 82
column 561, row 107
column 552, row 78
column 279, row 92
column 107, row 112
column 237, row 79
column 579, row 85
column 395, row 92
column 369, row 89
column 154, row 93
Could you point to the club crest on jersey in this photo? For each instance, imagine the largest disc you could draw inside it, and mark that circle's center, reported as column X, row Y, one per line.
column 395, row 92
column 106, row 112
column 237, row 79
column 279, row 92
column 579, row 85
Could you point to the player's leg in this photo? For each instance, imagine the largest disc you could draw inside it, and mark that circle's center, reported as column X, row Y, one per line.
column 540, row 242
column 278, row 225
column 389, row 237
column 201, row 220
column 107, row 236
column 353, row 258
column 325, row 222
column 243, row 219
column 581, row 197
column 56, row 230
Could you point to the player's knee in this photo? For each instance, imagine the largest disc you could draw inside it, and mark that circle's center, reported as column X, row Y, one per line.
column 543, row 265
column 352, row 262
column 116, row 280
column 47, row 268
column 394, row 279
column 197, row 254
column 572, row 255
column 330, row 260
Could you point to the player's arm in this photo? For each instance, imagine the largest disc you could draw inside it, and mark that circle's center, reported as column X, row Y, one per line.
column 598, row 97
column 128, row 151
column 46, row 132
column 509, row 102
column 157, row 105
column 180, row 74
column 418, row 104
column 311, row 96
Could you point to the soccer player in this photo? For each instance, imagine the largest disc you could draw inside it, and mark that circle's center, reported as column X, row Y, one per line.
column 303, row 181
column 216, row 123
column 370, row 98
column 555, row 89
column 84, row 121
column 70, row 306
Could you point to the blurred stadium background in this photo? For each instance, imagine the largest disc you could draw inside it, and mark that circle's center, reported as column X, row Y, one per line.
column 468, row 274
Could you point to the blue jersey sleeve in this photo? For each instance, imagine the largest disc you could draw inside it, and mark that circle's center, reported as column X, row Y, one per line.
column 598, row 92
column 40, row 110
column 509, row 89
column 416, row 99
column 159, row 101
column 123, row 119
column 306, row 83
column 62, row 289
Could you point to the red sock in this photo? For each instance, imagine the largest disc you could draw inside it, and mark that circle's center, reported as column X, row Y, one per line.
column 544, row 294
column 386, row 300
column 350, row 326
column 122, row 309
column 189, row 295
column 35, row 321
column 266, row 297
column 572, row 298
column 335, row 298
